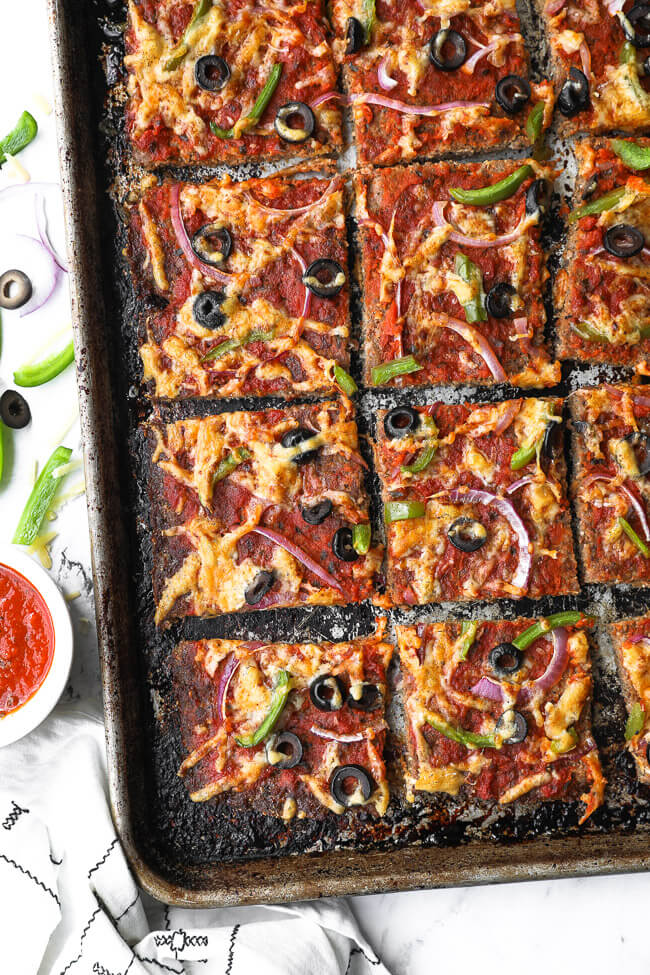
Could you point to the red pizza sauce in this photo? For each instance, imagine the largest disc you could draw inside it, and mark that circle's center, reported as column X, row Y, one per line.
column 26, row 640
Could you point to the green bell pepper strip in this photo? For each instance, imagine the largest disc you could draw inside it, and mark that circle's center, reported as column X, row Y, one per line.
column 421, row 462
column 397, row 367
column 635, row 721
column 345, row 381
column 567, row 618
column 606, row 202
column 588, row 332
column 470, row 273
column 41, row 372
column 279, row 698
column 231, row 344
column 631, row 153
column 634, row 538
column 468, row 738
column 369, row 8
column 179, row 52
column 561, row 749
column 525, row 455
column 20, row 137
column 258, row 108
column 230, row 463
column 40, row 499
column 627, row 55
column 496, row 192
column 534, row 123
column 468, row 632
column 403, row 510
column 361, row 535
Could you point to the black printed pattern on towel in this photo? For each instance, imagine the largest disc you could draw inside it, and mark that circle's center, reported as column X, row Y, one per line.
column 360, row 951
column 231, row 948
column 103, row 859
column 81, row 940
column 28, row 873
column 127, row 909
column 99, row 969
column 13, row 816
column 167, row 968
column 177, row 941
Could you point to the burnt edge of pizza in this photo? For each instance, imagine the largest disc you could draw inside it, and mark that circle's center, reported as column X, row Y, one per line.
column 631, row 642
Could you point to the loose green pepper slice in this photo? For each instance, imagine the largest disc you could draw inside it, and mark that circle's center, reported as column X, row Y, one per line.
column 40, row 499
column 397, row 367
column 468, row 738
column 258, row 108
column 634, row 538
column 470, row 273
column 230, row 463
column 403, row 510
column 588, row 332
column 606, row 202
column 631, row 153
column 635, row 720
column 468, row 632
column 567, row 618
column 421, row 462
column 279, row 698
column 361, row 535
column 179, row 52
column 20, row 137
column 41, row 372
column 345, row 381
column 231, row 344
column 496, row 192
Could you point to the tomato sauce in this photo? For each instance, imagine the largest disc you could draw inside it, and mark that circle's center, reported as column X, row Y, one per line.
column 26, row 640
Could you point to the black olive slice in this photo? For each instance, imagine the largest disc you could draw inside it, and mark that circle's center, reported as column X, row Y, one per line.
column 466, row 534
column 15, row 289
column 365, row 697
column 211, row 73
column 641, row 445
column 291, row 113
column 447, row 50
column 538, row 196
column 401, row 420
column 340, row 780
column 212, row 244
column 498, row 300
column 513, row 724
column 327, row 693
column 317, row 513
column 636, row 25
column 574, row 96
column 292, row 438
column 14, row 410
column 343, row 545
column 355, row 36
column 512, row 93
column 647, row 752
column 623, row 240
column 334, row 277
column 206, row 309
column 646, row 66
column 552, row 439
column 283, row 750
column 505, row 659
column 261, row 584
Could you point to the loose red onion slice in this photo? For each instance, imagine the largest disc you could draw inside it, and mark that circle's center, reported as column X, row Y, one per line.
column 231, row 665
column 292, row 211
column 384, row 79
column 185, row 243
column 487, row 689
column 474, row 337
column 306, row 305
column 9, row 191
column 504, row 507
column 520, row 483
column 37, row 262
column 508, row 416
column 440, row 221
column 41, row 226
column 370, row 98
column 553, row 673
column 629, row 494
column 332, row 736
column 299, row 554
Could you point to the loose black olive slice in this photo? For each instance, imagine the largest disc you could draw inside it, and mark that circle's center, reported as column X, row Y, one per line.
column 641, row 445
column 505, row 659
column 211, row 73
column 466, row 534
column 291, row 113
column 297, row 436
column 552, row 439
column 14, row 410
column 206, row 309
column 327, row 693
column 261, row 584
column 212, row 244
column 355, row 36
column 283, row 750
column 636, row 25
column 331, row 271
column 513, row 724
column 401, row 420
column 343, row 545
column 345, row 776
column 447, row 50
column 15, row 289
column 512, row 93
column 538, row 196
column 574, row 96
column 623, row 240
column 498, row 301
column 317, row 513
column 364, row 697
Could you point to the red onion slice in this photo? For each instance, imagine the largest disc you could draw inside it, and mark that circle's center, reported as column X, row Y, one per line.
column 292, row 211
column 299, row 554
column 529, row 479
column 641, row 401
column 41, row 226
column 384, row 79
column 473, row 337
column 629, row 494
column 521, row 325
column 504, row 507
column 508, row 416
column 332, row 736
column 185, row 243
column 9, row 191
column 638, row 638
column 483, row 50
column 487, row 689
column 585, row 57
column 306, row 305
column 326, row 96
column 556, row 667
column 553, row 7
column 231, row 665
column 441, row 221
column 370, row 98
column 614, row 7
column 37, row 262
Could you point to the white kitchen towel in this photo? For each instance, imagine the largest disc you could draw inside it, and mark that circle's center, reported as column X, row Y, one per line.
column 68, row 902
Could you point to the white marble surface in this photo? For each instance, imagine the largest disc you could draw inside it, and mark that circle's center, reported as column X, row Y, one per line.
column 588, row 925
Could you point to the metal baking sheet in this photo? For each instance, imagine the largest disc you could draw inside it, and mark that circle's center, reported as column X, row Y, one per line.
column 219, row 854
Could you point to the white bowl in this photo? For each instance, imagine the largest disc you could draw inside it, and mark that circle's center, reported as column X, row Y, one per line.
column 28, row 716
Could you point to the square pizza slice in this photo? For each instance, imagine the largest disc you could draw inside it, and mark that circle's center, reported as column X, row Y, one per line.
column 453, row 274
column 259, row 510
column 501, row 710
column 220, row 81
column 253, row 279
column 299, row 729
column 428, row 79
column 611, row 487
column 603, row 292
column 475, row 501
column 631, row 640
column 597, row 62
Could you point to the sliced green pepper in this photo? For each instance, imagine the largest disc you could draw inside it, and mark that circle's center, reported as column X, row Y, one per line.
column 369, row 17
column 634, row 538
column 231, row 344
column 534, row 123
column 631, row 153
column 230, row 463
column 422, row 461
column 588, row 332
column 468, row 738
column 496, row 192
column 279, row 698
column 606, row 202
column 627, row 54
column 635, row 720
column 468, row 632
column 525, row 455
column 471, row 274
column 397, row 367
column 20, row 137
column 41, row 372
column 567, row 618
column 258, row 108
column 40, row 499
column 561, row 748
column 403, row 510
column 179, row 52
column 361, row 535
column 345, row 381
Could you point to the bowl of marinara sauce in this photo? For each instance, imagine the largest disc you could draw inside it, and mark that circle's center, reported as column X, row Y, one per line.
column 35, row 644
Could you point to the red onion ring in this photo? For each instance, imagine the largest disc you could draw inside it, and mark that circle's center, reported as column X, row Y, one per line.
column 384, row 79
column 520, row 483
column 41, row 226
column 306, row 305
column 20, row 187
column 508, row 416
column 292, row 211
column 441, row 221
column 299, row 554
column 370, row 98
column 332, row 736
column 556, row 667
column 185, row 243
column 484, row 49
column 45, row 279
column 487, row 689
column 231, row 665
column 487, row 353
